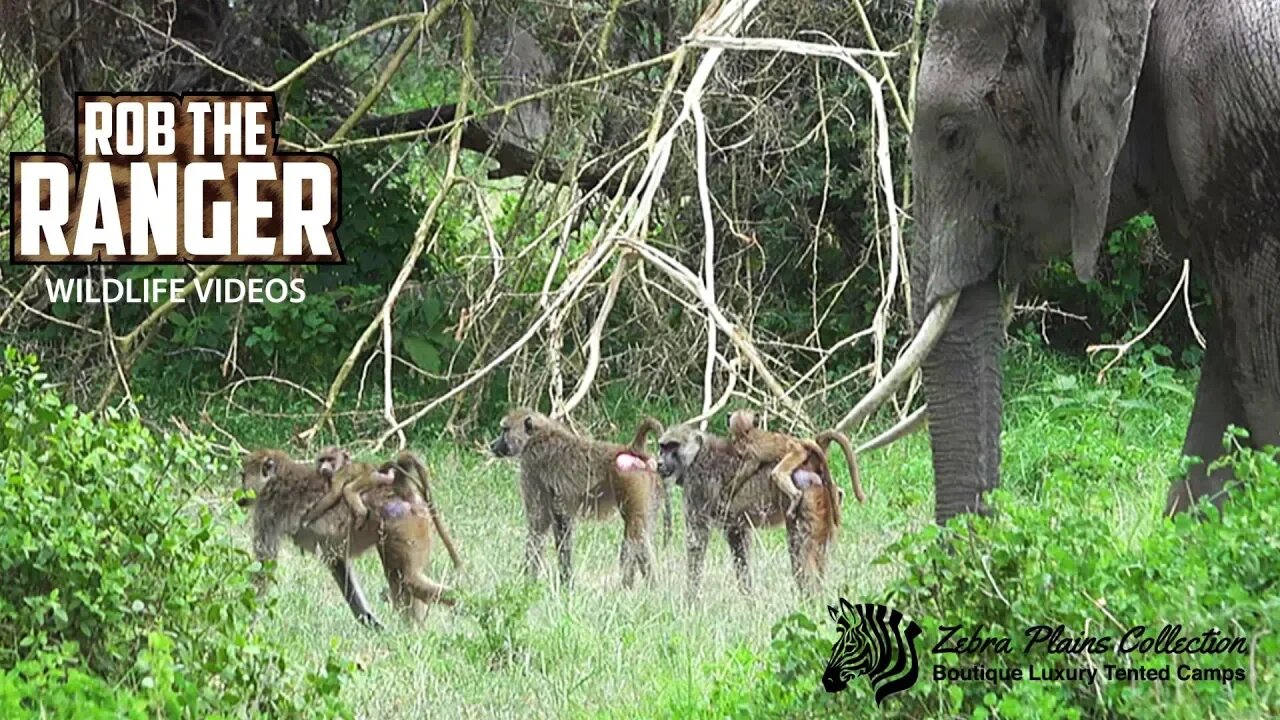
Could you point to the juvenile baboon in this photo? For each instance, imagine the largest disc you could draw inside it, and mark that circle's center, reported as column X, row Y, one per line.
column 413, row 485
column 564, row 476
column 758, row 446
column 704, row 464
column 331, row 460
column 347, row 480
column 285, row 489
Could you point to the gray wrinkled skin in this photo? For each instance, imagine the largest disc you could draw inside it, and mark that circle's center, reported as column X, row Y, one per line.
column 1040, row 126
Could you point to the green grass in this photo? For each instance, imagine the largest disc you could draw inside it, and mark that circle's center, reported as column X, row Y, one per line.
column 601, row 651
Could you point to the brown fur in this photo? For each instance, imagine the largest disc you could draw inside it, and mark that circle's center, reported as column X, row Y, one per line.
column 651, row 426
column 564, row 477
column 758, row 446
column 331, row 460
column 285, row 489
column 347, row 481
column 704, row 465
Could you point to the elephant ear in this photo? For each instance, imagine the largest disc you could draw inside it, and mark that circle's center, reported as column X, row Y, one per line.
column 1100, row 46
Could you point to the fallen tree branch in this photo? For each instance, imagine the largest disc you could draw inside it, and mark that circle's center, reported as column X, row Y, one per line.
column 1123, row 348
column 593, row 341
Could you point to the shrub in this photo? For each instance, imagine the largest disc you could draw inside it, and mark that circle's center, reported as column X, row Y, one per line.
column 120, row 593
column 1050, row 561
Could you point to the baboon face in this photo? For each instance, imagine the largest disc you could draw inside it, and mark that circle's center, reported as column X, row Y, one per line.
column 257, row 469
column 331, row 461
column 677, row 448
column 515, row 430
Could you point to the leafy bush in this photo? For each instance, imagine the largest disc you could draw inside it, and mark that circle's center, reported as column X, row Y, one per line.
column 501, row 619
column 121, row 595
column 1050, row 561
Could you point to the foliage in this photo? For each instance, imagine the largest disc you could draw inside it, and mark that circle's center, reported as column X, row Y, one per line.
column 1134, row 281
column 501, row 621
column 122, row 592
column 1057, row 559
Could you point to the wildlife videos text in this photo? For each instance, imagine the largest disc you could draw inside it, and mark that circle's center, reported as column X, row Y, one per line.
column 149, row 291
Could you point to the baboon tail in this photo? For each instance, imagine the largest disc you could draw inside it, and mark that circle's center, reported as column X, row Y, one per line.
column 851, row 458
column 647, row 425
column 412, row 466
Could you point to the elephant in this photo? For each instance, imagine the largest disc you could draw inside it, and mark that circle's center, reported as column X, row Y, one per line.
column 1040, row 126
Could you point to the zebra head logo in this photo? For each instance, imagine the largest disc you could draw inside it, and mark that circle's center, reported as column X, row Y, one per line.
column 875, row 641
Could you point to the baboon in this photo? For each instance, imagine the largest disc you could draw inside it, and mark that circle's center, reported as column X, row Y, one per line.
column 285, row 489
column 405, row 563
column 347, row 480
column 704, row 464
column 331, row 460
column 564, row 476
column 758, row 446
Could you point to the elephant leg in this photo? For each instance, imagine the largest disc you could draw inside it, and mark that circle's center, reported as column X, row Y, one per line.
column 1217, row 405
column 1252, row 306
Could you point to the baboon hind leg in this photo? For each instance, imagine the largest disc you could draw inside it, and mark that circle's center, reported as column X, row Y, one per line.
column 781, row 474
column 351, row 592
column 351, row 493
column 635, row 555
column 638, row 509
column 562, row 526
column 404, row 552
column 739, row 539
column 808, row 555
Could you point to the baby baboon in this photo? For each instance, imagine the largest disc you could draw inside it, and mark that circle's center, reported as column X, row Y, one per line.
column 285, row 489
column 646, row 427
column 331, row 460
column 412, row 484
column 347, row 480
column 564, row 476
column 704, row 464
column 757, row 447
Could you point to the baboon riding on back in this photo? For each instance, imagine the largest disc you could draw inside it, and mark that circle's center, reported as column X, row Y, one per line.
column 719, row 494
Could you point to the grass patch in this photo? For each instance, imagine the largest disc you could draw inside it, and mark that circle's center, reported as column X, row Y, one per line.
column 600, row 651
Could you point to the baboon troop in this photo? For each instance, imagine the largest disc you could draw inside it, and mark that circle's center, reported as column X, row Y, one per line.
column 564, row 477
column 339, row 508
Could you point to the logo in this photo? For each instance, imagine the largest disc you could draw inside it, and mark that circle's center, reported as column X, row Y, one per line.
column 875, row 641
column 164, row 179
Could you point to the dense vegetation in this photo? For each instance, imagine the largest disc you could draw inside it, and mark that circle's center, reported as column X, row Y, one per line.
column 125, row 595
column 128, row 588
column 163, row 601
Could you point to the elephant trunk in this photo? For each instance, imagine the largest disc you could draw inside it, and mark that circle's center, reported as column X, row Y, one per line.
column 962, row 383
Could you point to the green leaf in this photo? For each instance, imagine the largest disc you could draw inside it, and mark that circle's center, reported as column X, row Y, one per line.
column 423, row 353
